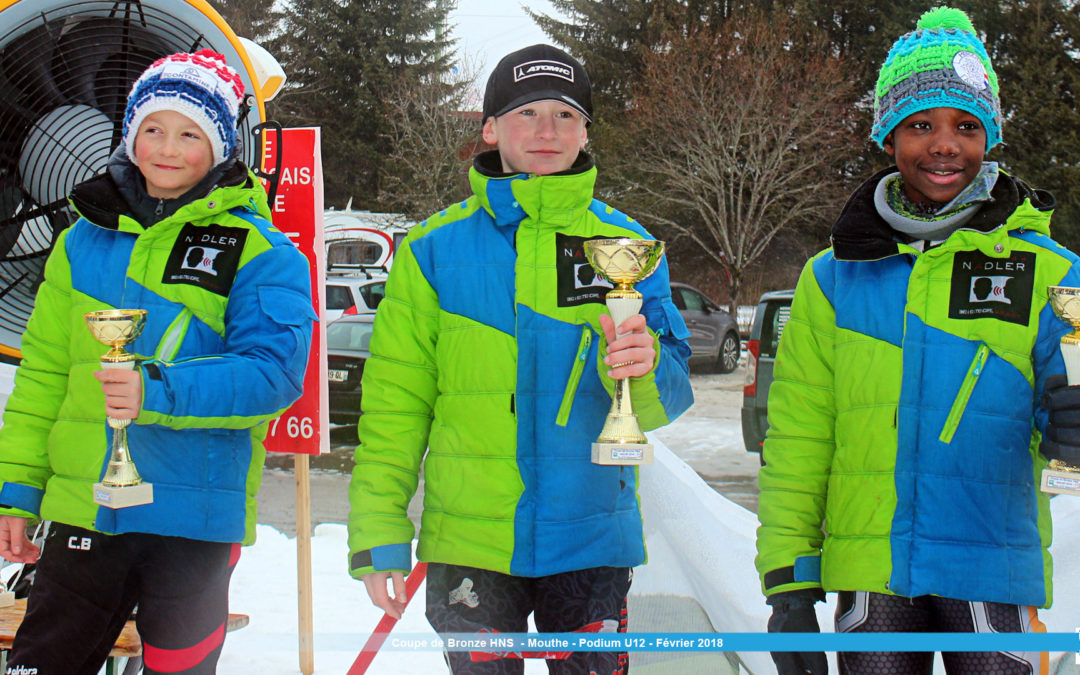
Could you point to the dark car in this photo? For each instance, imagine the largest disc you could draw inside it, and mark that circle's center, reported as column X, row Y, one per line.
column 347, row 342
column 770, row 317
column 714, row 335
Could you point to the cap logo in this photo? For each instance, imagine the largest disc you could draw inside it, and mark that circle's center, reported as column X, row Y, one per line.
column 544, row 67
column 186, row 71
column 971, row 70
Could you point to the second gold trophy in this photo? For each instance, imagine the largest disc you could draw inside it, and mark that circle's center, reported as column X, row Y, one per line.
column 623, row 262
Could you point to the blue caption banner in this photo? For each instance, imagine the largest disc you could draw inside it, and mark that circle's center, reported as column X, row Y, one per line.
column 736, row 642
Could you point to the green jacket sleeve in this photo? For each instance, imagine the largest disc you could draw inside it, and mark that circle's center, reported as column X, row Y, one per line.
column 400, row 388
column 799, row 445
column 40, row 385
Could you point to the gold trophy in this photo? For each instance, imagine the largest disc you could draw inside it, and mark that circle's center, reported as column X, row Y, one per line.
column 1059, row 477
column 623, row 262
column 122, row 486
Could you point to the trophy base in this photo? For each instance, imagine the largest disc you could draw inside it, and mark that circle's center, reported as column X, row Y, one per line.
column 622, row 453
column 1060, row 482
column 123, row 497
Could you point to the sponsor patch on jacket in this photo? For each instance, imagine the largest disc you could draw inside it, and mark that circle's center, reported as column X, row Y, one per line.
column 578, row 284
column 206, row 256
column 992, row 288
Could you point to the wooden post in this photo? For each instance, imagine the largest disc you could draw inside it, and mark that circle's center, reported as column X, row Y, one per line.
column 303, row 564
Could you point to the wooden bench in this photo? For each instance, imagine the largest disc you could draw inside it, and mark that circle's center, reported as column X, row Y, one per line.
column 127, row 646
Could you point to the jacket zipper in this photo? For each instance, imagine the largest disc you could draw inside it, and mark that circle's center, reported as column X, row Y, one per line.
column 961, row 401
column 575, row 377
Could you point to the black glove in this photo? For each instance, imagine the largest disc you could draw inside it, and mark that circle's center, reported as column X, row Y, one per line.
column 1062, row 438
column 793, row 612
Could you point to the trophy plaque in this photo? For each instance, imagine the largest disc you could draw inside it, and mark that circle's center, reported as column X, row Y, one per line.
column 1060, row 477
column 122, row 486
column 623, row 262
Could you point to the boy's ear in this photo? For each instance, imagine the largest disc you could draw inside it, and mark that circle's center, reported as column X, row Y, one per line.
column 488, row 133
column 584, row 137
column 887, row 144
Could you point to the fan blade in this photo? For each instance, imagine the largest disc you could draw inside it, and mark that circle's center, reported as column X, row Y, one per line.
column 12, row 201
column 98, row 59
column 25, row 61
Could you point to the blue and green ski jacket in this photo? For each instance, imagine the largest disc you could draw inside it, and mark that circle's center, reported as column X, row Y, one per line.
column 902, row 454
column 487, row 356
column 224, row 350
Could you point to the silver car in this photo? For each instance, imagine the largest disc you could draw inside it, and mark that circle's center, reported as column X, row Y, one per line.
column 714, row 335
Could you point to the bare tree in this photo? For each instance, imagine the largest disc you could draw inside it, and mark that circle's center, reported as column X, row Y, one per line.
column 434, row 137
column 739, row 131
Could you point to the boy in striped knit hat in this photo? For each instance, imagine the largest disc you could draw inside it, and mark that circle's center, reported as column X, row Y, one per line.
column 177, row 226
column 919, row 387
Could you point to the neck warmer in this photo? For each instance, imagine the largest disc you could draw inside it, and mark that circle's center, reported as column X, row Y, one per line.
column 914, row 219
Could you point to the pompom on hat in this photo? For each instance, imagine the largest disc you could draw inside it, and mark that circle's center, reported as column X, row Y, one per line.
column 941, row 64
column 200, row 86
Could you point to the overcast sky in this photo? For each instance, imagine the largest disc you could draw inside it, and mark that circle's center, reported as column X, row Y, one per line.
column 488, row 30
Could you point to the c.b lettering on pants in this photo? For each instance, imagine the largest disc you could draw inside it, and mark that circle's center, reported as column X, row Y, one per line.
column 79, row 543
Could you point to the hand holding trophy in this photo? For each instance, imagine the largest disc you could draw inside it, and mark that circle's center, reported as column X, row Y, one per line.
column 623, row 262
column 122, row 486
column 1060, row 477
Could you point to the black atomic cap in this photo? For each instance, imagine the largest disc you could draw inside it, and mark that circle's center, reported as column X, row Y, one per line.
column 537, row 73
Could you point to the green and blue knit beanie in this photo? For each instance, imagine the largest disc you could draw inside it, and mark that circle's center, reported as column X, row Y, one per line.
column 941, row 64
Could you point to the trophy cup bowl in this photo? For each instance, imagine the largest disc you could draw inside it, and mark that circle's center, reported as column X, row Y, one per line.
column 1061, row 477
column 121, row 486
column 623, row 262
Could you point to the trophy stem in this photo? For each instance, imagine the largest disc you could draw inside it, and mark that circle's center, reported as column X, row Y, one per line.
column 121, row 471
column 621, row 441
column 622, row 304
column 1070, row 353
column 621, row 425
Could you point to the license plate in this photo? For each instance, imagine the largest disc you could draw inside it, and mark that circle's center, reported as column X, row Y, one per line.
column 337, row 375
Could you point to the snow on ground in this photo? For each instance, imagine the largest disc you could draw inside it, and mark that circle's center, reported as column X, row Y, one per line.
column 706, row 553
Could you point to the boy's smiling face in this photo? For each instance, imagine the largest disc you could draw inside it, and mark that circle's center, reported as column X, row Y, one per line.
column 173, row 153
column 938, row 152
column 542, row 137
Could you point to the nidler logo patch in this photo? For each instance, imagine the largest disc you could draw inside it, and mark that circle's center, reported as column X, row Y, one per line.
column 994, row 288
column 207, row 257
column 529, row 69
column 578, row 284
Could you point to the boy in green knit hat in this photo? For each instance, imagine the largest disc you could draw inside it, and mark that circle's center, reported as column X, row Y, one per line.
column 919, row 386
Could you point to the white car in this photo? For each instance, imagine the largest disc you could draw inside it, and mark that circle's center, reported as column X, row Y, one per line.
column 353, row 294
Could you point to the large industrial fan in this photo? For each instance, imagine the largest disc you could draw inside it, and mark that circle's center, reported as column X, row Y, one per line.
column 66, row 67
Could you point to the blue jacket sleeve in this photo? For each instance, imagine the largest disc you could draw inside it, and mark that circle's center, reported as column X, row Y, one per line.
column 268, row 326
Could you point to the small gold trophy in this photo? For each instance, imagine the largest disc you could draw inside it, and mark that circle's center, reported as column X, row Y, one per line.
column 1059, row 477
column 623, row 262
column 122, row 486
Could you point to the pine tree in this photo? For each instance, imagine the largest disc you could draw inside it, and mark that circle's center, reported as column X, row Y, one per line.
column 1034, row 47
column 254, row 19
column 343, row 57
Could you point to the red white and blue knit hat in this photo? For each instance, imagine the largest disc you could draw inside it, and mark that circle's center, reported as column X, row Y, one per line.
column 199, row 86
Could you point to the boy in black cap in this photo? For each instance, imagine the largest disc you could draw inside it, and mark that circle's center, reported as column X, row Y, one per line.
column 492, row 354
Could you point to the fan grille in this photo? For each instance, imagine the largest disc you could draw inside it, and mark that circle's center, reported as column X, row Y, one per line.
column 65, row 72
